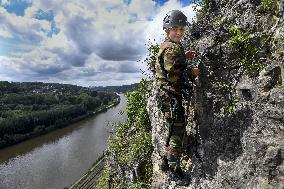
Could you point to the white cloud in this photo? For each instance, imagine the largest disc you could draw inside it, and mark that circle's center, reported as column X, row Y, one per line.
column 98, row 43
column 142, row 10
column 95, row 63
column 30, row 12
column 9, row 69
column 4, row 32
column 154, row 30
column 5, row 2
column 30, row 30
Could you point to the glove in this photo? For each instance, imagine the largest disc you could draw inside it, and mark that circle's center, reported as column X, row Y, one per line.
column 190, row 54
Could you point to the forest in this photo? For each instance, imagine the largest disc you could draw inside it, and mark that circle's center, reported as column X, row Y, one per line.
column 32, row 108
column 118, row 89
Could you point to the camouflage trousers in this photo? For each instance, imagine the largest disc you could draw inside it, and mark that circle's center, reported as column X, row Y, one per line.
column 170, row 103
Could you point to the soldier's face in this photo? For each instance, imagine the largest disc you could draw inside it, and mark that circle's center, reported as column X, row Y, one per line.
column 176, row 33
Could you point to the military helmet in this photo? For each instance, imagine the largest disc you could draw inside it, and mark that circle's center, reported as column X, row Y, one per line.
column 174, row 18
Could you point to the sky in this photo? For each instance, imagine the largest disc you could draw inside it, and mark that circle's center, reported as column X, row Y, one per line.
column 81, row 42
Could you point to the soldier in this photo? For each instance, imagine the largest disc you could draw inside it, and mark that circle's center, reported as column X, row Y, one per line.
column 170, row 66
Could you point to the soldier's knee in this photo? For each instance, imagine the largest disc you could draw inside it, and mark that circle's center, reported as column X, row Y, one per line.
column 175, row 142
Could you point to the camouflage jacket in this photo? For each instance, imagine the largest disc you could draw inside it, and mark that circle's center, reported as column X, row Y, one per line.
column 170, row 63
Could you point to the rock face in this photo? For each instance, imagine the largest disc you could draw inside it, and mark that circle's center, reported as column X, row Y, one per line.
column 238, row 104
column 159, row 138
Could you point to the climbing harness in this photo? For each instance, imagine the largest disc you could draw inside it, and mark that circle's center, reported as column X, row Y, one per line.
column 174, row 108
column 194, row 132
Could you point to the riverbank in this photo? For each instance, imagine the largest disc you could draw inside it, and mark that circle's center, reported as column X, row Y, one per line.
column 106, row 107
column 41, row 130
column 90, row 178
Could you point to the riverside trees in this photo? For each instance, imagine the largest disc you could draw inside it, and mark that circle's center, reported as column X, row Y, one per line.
column 35, row 108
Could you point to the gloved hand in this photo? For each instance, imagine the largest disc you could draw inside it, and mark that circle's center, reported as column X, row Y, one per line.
column 190, row 54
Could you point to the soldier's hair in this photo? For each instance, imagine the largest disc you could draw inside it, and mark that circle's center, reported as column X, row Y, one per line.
column 167, row 30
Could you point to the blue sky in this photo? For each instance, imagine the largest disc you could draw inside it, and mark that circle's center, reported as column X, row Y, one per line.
column 16, row 6
column 83, row 42
column 183, row 2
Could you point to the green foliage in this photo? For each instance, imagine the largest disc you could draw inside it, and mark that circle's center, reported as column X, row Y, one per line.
column 278, row 44
column 35, row 108
column 131, row 142
column 204, row 9
column 224, row 2
column 25, row 123
column 268, row 6
column 221, row 86
column 139, row 185
column 278, row 84
column 117, row 89
column 153, row 50
column 217, row 20
column 89, row 102
column 136, row 109
column 205, row 6
column 246, row 50
column 231, row 104
column 281, row 51
column 103, row 180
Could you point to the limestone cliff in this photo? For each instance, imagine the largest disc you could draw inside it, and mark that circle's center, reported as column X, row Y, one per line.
column 238, row 102
column 235, row 116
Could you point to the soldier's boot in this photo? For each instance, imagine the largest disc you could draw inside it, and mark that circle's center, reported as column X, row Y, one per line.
column 172, row 167
column 172, row 157
column 179, row 172
column 178, row 176
column 164, row 164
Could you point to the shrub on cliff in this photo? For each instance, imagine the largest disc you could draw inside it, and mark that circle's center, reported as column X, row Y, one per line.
column 130, row 148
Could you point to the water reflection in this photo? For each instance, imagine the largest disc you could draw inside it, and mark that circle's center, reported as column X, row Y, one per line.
column 59, row 158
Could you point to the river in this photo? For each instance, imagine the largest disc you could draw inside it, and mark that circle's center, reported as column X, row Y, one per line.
column 59, row 158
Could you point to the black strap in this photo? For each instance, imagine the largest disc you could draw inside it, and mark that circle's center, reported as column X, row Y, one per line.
column 161, row 62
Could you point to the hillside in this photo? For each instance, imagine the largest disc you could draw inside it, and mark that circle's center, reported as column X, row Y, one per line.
column 33, row 108
column 117, row 89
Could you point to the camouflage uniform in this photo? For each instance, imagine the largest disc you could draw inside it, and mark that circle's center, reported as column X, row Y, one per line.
column 171, row 62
